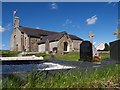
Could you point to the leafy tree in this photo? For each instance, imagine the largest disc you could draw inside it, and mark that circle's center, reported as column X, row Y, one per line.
column 107, row 47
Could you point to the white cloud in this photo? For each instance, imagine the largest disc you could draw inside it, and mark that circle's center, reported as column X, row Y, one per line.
column 92, row 20
column 8, row 26
column 113, row 2
column 2, row 29
column 53, row 6
column 67, row 21
column 37, row 28
column 70, row 24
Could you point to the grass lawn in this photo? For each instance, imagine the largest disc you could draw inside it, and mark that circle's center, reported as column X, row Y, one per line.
column 74, row 56
column 106, row 77
column 104, row 56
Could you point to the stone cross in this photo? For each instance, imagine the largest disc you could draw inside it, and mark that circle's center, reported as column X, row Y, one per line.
column 91, row 35
column 117, row 32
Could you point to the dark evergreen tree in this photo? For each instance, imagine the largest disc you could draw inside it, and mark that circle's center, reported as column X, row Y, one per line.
column 107, row 47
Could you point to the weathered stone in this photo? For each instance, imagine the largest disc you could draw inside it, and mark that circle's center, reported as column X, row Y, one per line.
column 23, row 39
column 67, row 39
column 33, row 44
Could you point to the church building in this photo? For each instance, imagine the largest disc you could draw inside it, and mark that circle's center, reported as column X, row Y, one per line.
column 37, row 40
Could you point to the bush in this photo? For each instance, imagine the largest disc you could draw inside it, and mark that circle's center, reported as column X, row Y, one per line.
column 107, row 47
column 7, row 53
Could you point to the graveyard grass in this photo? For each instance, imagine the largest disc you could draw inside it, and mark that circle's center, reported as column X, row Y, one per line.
column 73, row 56
column 106, row 77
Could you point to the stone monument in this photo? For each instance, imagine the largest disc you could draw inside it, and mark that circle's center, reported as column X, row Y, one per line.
column 115, row 47
column 86, row 51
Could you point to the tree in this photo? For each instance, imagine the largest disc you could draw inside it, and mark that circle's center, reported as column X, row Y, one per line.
column 107, row 47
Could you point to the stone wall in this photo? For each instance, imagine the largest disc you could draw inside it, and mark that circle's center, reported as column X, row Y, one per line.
column 53, row 44
column 65, row 38
column 41, row 48
column 76, row 45
column 33, row 44
column 15, row 40
column 26, row 42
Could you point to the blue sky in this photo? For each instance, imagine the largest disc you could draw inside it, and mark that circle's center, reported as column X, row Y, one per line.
column 76, row 18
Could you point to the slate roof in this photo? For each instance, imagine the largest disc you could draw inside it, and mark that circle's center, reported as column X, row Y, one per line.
column 35, row 32
column 52, row 36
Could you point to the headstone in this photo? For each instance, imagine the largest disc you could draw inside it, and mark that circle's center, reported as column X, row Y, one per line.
column 115, row 50
column 86, row 52
column 115, row 47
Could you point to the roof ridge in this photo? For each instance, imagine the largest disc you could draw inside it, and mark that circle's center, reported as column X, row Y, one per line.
column 38, row 29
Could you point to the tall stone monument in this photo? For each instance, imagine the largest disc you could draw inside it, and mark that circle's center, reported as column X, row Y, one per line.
column 94, row 50
column 88, row 50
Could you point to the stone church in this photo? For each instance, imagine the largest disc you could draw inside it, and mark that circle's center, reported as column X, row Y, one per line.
column 37, row 40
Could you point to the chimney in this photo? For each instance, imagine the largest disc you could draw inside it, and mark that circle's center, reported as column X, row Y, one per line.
column 16, row 22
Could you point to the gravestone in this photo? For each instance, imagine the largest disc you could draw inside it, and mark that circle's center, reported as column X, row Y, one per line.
column 86, row 52
column 115, row 47
column 115, row 50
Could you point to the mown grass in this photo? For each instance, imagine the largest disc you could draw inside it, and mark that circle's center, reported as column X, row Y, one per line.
column 107, row 77
column 8, row 53
column 73, row 56
column 104, row 56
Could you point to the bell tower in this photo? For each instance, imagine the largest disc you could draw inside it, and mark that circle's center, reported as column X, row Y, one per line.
column 16, row 22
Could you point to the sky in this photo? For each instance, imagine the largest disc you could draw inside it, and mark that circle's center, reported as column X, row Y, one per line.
column 77, row 18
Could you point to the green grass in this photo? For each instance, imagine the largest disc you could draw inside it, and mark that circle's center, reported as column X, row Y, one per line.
column 98, row 78
column 73, row 56
column 104, row 56
column 8, row 53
